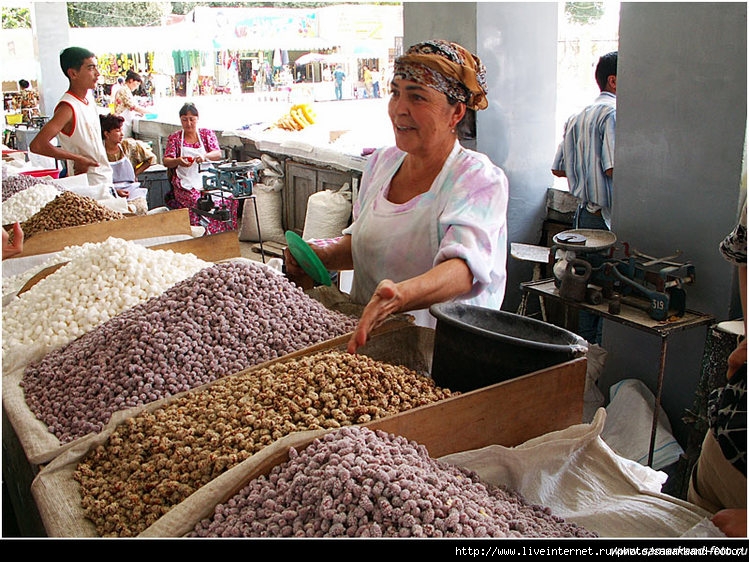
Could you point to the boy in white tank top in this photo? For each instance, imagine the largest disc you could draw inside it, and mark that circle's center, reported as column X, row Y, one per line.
column 76, row 124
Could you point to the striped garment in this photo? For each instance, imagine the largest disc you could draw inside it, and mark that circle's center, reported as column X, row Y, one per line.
column 587, row 151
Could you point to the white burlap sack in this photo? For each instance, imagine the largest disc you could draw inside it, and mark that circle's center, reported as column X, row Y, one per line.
column 269, row 211
column 629, row 425
column 328, row 213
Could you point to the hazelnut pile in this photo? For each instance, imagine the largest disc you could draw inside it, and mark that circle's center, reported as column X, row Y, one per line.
column 67, row 210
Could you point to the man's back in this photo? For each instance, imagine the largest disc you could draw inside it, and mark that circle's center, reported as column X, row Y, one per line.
column 587, row 151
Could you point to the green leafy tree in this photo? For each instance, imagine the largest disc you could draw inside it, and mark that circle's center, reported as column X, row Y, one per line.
column 145, row 14
column 117, row 14
column 14, row 18
column 583, row 13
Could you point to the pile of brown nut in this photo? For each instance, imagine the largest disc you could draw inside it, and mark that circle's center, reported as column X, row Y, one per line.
column 67, row 210
column 154, row 461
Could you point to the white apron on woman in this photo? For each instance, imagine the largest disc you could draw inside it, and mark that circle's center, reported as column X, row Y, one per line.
column 190, row 176
column 124, row 178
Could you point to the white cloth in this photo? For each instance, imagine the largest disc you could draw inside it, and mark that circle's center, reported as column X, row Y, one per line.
column 582, row 480
column 629, row 425
column 190, row 176
column 86, row 140
column 463, row 215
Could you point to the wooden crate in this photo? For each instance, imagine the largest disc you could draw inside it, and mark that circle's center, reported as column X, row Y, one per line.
column 131, row 228
column 506, row 413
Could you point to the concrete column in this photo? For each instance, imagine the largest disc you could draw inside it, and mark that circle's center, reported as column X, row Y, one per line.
column 517, row 42
column 49, row 23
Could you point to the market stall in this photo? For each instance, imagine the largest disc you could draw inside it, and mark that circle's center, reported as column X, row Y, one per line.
column 178, row 373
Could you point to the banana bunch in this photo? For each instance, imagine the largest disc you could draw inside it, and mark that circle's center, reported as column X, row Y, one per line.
column 299, row 117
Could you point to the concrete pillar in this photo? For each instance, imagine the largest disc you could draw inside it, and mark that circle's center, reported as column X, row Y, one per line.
column 517, row 42
column 49, row 23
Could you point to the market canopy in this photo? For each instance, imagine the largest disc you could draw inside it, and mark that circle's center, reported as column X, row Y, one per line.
column 165, row 38
column 186, row 36
column 310, row 58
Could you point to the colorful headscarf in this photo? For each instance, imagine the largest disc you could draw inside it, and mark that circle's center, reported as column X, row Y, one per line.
column 448, row 68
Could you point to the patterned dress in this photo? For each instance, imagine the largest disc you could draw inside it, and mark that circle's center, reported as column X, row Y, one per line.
column 187, row 198
column 727, row 405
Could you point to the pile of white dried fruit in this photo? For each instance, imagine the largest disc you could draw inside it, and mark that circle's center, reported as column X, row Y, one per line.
column 16, row 183
column 23, row 205
column 99, row 281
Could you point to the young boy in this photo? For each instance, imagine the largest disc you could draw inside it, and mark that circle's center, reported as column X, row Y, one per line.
column 76, row 123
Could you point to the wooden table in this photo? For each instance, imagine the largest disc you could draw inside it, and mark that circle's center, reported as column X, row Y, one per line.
column 635, row 317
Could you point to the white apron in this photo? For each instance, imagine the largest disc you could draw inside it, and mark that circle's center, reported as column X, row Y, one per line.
column 123, row 175
column 190, row 176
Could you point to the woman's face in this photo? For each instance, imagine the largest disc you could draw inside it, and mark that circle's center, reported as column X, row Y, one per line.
column 113, row 136
column 189, row 122
column 422, row 118
column 132, row 85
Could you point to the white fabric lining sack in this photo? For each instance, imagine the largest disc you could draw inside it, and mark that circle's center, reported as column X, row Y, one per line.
column 328, row 213
column 630, row 423
column 576, row 474
column 269, row 211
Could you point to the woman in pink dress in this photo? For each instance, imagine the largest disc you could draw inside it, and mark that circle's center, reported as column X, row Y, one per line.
column 185, row 150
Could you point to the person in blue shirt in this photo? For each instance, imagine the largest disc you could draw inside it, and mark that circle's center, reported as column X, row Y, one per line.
column 339, row 76
column 586, row 154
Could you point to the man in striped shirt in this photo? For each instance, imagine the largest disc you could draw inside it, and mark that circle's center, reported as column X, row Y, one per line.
column 586, row 154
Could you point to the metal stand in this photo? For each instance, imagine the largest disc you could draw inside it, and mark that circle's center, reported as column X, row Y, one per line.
column 538, row 256
column 634, row 317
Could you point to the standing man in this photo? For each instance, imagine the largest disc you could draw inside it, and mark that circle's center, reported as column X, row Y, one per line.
column 76, row 123
column 376, row 78
column 586, row 154
column 339, row 76
column 586, row 158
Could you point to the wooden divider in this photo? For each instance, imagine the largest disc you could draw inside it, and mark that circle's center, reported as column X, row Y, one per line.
column 131, row 228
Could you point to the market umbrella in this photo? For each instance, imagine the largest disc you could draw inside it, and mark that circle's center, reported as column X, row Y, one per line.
column 310, row 57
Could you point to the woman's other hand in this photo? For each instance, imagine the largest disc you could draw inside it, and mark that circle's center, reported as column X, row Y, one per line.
column 186, row 160
column 387, row 299
column 14, row 247
column 294, row 271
